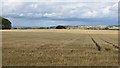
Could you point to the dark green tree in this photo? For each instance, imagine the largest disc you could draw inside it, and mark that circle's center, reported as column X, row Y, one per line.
column 106, row 28
column 5, row 23
column 60, row 27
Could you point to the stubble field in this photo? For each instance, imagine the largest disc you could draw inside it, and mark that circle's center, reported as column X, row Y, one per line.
column 60, row 47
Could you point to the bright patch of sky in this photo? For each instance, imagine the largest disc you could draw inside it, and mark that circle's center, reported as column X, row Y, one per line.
column 35, row 13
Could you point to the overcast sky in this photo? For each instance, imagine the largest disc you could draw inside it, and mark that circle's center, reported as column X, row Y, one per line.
column 60, row 12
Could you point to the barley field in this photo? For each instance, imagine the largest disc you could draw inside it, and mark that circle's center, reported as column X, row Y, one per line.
column 65, row 47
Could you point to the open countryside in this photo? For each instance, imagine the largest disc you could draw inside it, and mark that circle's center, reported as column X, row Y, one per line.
column 60, row 47
column 59, row 33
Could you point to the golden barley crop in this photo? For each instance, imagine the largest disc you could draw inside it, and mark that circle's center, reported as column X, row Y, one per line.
column 60, row 47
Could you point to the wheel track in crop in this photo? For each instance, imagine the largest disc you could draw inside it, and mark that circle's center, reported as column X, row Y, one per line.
column 97, row 45
column 111, row 44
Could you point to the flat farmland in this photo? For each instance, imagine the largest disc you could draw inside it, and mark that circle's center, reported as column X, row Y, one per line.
column 60, row 47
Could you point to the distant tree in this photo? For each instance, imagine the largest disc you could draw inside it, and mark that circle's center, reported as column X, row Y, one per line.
column 60, row 27
column 106, row 28
column 5, row 23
